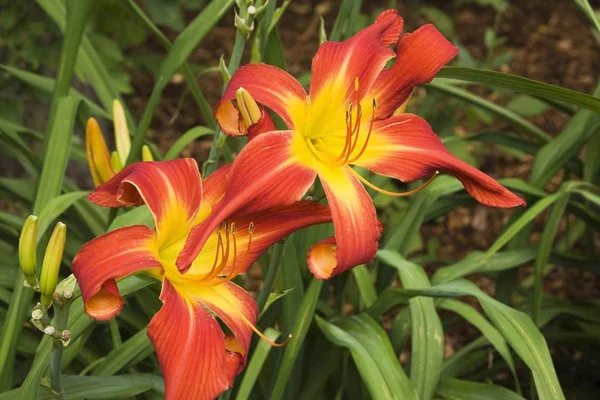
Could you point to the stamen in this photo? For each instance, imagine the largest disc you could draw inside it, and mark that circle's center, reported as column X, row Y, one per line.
column 395, row 194
column 250, row 230
column 349, row 133
column 364, row 146
column 262, row 336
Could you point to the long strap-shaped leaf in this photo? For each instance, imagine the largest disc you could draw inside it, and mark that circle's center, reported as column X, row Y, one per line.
column 521, row 85
column 516, row 327
column 373, row 355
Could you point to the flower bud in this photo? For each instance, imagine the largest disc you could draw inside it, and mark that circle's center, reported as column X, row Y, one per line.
column 27, row 250
column 122, row 138
column 250, row 111
column 147, row 154
column 97, row 153
column 115, row 161
column 51, row 263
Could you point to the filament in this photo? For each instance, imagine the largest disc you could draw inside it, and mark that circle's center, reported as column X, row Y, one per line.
column 395, row 194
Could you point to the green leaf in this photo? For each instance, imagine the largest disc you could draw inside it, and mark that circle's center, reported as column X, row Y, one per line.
column 136, row 348
column 185, row 43
column 516, row 327
column 292, row 349
column 187, row 138
column 138, row 216
column 455, row 389
column 521, row 85
column 427, row 332
column 474, row 318
column 47, row 85
column 255, row 365
column 527, row 106
column 545, row 247
column 364, row 280
column 55, row 164
column 55, row 207
column 96, row 387
column 373, row 355
column 512, row 117
column 477, row 261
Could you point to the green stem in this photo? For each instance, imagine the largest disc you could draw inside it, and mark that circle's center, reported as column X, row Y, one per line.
column 61, row 320
column 234, row 62
column 274, row 265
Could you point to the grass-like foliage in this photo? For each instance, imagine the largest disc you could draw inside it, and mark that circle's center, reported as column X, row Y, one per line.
column 407, row 323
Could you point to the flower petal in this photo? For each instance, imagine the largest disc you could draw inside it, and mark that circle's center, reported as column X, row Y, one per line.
column 190, row 346
column 354, row 219
column 405, row 147
column 231, row 122
column 256, row 232
column 337, row 66
column 421, row 55
column 264, row 175
column 232, row 304
column 171, row 189
column 112, row 256
column 322, row 259
column 271, row 86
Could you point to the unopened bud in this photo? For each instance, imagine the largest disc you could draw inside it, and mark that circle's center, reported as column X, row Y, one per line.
column 66, row 287
column 97, row 153
column 115, row 161
column 51, row 263
column 147, row 154
column 27, row 250
column 122, row 138
column 250, row 111
column 251, row 10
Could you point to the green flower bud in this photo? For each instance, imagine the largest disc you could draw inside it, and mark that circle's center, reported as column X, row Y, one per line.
column 27, row 250
column 51, row 263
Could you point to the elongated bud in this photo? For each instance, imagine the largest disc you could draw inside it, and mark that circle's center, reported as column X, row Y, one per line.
column 97, row 153
column 248, row 108
column 115, row 161
column 147, row 154
column 27, row 249
column 122, row 138
column 51, row 263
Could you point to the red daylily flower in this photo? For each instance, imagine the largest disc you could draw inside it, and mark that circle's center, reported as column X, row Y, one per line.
column 352, row 115
column 197, row 359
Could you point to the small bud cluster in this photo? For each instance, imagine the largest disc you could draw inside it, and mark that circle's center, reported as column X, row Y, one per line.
column 51, row 292
column 249, row 10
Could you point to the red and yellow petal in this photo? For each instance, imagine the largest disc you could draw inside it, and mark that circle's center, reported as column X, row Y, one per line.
column 107, row 258
column 171, row 189
column 256, row 232
column 355, row 222
column 345, row 71
column 190, row 346
column 421, row 55
column 264, row 175
column 232, row 304
column 405, row 147
column 232, row 123
column 268, row 85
